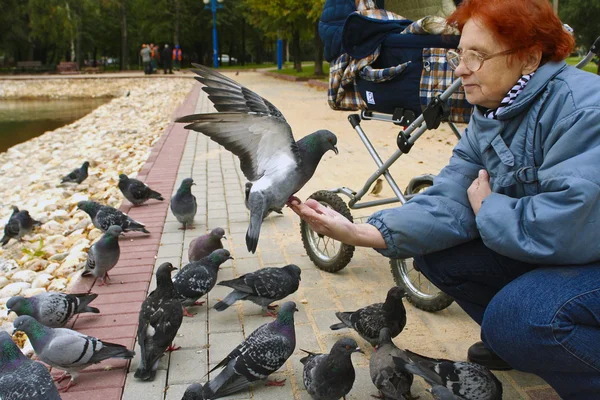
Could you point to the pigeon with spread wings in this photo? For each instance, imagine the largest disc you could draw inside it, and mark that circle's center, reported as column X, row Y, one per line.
column 257, row 133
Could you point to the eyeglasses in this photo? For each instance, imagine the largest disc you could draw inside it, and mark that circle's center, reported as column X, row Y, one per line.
column 472, row 59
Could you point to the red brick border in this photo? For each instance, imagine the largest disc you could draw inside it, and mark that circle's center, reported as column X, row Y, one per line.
column 120, row 302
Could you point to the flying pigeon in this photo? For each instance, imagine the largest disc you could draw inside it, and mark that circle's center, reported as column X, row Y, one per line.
column 369, row 320
column 257, row 133
column 104, row 255
column 247, row 196
column 466, row 380
column 183, row 204
column 198, row 278
column 67, row 349
column 262, row 287
column 392, row 382
column 160, row 318
column 193, row 392
column 262, row 353
column 52, row 309
column 21, row 378
column 19, row 224
column 206, row 244
column 137, row 192
column 103, row 217
column 330, row 376
column 78, row 175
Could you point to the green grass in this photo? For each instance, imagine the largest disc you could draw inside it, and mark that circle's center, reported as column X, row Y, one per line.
column 247, row 66
column 590, row 67
column 308, row 71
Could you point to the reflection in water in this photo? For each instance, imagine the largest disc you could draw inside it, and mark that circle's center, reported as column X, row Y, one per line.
column 21, row 120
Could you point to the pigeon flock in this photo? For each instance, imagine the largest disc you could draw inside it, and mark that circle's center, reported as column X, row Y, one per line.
column 277, row 167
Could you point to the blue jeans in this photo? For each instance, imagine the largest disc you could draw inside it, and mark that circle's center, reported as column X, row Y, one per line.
column 540, row 319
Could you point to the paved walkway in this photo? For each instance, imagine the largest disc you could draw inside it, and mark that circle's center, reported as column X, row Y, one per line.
column 209, row 336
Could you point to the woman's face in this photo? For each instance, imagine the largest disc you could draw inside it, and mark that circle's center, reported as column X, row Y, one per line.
column 487, row 86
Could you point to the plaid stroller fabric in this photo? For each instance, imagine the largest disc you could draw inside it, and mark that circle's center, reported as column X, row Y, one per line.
column 349, row 77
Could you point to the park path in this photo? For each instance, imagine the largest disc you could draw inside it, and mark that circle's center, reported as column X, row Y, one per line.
column 209, row 336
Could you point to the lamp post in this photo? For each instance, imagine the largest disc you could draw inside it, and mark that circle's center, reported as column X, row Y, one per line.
column 213, row 5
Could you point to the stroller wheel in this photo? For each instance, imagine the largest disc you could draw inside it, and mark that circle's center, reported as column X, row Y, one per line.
column 419, row 291
column 327, row 254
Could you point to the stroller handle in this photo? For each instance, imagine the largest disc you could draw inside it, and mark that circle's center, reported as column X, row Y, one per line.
column 594, row 51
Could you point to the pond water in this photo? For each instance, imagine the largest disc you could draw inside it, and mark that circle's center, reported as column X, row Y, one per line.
column 21, row 120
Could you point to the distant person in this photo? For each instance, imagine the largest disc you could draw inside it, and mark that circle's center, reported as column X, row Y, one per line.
column 166, row 59
column 145, row 54
column 177, row 56
column 153, row 51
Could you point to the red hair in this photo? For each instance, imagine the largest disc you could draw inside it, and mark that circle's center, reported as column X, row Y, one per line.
column 525, row 24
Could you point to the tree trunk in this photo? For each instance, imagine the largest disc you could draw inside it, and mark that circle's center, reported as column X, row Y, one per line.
column 243, row 61
column 318, row 52
column 95, row 63
column 123, row 62
column 78, row 55
column 296, row 49
column 176, row 33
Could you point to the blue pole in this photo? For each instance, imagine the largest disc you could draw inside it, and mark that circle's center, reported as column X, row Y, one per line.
column 215, row 45
column 279, row 53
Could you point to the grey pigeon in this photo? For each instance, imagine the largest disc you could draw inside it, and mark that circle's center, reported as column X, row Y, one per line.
column 330, row 376
column 22, row 378
column 368, row 321
column 137, row 192
column 257, row 133
column 262, row 287
column 392, row 382
column 52, row 309
column 183, row 204
column 104, row 255
column 198, row 278
column 19, row 224
column 248, row 188
column 67, row 349
column 78, row 175
column 466, row 380
column 202, row 246
column 193, row 392
column 160, row 318
column 262, row 353
column 103, row 217
column 443, row 393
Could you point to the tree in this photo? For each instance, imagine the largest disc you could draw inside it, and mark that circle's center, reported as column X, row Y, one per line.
column 579, row 15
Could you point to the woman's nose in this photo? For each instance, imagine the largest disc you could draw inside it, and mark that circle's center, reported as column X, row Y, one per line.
column 461, row 70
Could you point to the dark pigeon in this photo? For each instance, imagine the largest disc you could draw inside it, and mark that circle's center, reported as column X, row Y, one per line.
column 392, row 382
column 160, row 318
column 198, row 278
column 193, row 392
column 257, row 133
column 466, row 380
column 262, row 353
column 104, row 255
column 78, row 175
column 368, row 321
column 67, row 349
column 137, row 192
column 206, row 244
column 19, row 224
column 247, row 196
column 330, row 376
column 183, row 204
column 52, row 309
column 262, row 287
column 21, row 378
column 103, row 217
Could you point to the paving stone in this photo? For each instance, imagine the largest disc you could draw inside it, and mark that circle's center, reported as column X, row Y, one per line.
column 172, row 238
column 169, row 250
column 187, row 365
column 246, row 265
column 221, row 344
column 136, row 389
column 192, row 333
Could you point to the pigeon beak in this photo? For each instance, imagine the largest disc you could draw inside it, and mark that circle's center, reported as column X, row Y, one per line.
column 224, row 237
column 296, row 309
column 358, row 350
column 335, row 150
column 230, row 258
column 15, row 331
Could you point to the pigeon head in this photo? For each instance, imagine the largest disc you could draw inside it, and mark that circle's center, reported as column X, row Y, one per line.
column 32, row 328
column 19, row 305
column 293, row 270
column 286, row 312
column 186, row 183
column 90, row 207
column 218, row 233
column 219, row 256
column 193, row 392
column 114, row 231
column 347, row 346
column 85, row 165
column 9, row 351
column 123, row 178
column 395, row 295
column 326, row 140
column 163, row 275
column 15, row 209
column 385, row 336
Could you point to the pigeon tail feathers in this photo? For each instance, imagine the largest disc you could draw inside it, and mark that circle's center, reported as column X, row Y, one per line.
column 84, row 300
column 230, row 299
column 345, row 318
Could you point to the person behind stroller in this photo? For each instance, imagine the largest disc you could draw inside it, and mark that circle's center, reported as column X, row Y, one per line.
column 509, row 228
column 166, row 59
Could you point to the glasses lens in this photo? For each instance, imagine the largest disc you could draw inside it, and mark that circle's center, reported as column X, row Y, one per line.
column 453, row 59
column 472, row 61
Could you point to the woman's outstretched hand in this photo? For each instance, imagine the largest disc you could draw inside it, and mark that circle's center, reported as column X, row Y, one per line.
column 329, row 222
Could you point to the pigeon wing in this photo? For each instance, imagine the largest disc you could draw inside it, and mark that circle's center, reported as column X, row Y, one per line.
column 263, row 355
column 139, row 190
column 368, row 321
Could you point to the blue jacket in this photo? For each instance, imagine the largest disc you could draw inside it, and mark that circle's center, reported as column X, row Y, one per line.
column 543, row 157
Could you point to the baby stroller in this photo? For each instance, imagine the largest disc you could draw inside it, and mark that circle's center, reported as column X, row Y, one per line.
column 421, row 96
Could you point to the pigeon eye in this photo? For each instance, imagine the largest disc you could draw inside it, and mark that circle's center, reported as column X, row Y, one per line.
column 347, row 347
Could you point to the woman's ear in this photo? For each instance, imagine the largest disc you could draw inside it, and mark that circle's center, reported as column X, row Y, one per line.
column 532, row 61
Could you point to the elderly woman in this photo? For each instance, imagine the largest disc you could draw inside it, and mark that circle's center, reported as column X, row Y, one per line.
column 511, row 227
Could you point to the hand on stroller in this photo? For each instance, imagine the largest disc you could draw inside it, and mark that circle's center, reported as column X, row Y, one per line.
column 329, row 222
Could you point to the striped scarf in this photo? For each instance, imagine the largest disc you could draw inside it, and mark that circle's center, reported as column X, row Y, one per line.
column 510, row 96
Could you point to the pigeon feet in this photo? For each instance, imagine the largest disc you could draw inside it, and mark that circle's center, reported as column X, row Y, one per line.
column 272, row 307
column 65, row 388
column 61, row 378
column 172, row 348
column 270, row 314
column 186, row 313
column 198, row 303
column 275, row 382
